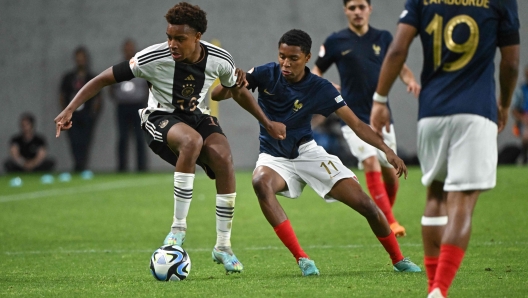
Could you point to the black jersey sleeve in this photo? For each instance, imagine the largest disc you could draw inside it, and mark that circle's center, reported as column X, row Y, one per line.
column 252, row 82
column 122, row 72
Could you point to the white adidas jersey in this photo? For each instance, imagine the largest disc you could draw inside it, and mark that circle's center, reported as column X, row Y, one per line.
column 178, row 86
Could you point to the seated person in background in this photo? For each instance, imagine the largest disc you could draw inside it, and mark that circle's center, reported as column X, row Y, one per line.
column 28, row 150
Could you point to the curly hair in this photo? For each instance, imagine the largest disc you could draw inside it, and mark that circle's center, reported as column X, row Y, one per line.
column 184, row 13
column 296, row 37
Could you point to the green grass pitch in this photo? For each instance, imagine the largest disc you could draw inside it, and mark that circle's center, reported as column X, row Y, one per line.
column 94, row 239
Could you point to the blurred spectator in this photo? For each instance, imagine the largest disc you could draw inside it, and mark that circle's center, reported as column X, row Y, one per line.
column 520, row 114
column 28, row 150
column 130, row 96
column 80, row 135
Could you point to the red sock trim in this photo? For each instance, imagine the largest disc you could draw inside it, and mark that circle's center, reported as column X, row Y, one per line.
column 391, row 246
column 286, row 234
column 451, row 257
column 391, row 190
column 430, row 268
column 379, row 195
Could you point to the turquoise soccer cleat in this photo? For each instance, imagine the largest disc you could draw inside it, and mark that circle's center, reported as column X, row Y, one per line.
column 175, row 238
column 406, row 265
column 308, row 267
column 228, row 258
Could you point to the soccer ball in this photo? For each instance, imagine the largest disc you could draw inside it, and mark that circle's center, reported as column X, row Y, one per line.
column 170, row 262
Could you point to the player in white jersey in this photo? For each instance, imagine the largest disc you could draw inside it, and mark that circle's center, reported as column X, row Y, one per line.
column 176, row 124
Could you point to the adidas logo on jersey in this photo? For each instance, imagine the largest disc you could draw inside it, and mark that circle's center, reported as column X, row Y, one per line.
column 189, row 78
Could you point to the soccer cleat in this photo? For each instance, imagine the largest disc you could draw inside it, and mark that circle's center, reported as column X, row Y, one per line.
column 175, row 238
column 406, row 265
column 397, row 229
column 435, row 293
column 308, row 267
column 228, row 258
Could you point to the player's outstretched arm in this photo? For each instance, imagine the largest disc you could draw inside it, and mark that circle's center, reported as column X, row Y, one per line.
column 390, row 69
column 244, row 98
column 508, row 72
column 220, row 93
column 366, row 133
column 63, row 120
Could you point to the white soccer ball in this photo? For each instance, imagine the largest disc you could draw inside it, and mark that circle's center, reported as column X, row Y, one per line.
column 170, row 263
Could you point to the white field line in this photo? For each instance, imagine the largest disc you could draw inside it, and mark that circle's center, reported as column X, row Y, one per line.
column 82, row 189
column 321, row 247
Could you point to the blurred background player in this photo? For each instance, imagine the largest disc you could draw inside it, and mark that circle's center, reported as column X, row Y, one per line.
column 27, row 150
column 458, row 114
column 176, row 124
column 358, row 53
column 290, row 93
column 81, row 134
column 520, row 115
column 130, row 96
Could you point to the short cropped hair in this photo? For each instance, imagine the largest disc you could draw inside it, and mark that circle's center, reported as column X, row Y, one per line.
column 29, row 117
column 184, row 13
column 296, row 37
column 346, row 1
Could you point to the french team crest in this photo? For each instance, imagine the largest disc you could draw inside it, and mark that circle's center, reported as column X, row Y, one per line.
column 163, row 123
column 377, row 49
column 297, row 106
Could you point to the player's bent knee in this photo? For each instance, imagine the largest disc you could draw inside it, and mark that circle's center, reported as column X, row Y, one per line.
column 189, row 146
column 262, row 184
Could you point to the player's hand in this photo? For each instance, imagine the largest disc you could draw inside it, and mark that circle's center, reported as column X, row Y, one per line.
column 379, row 117
column 277, row 130
column 414, row 88
column 63, row 122
column 241, row 78
column 502, row 118
column 397, row 163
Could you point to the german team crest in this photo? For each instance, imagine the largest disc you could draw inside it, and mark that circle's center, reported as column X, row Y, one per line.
column 188, row 90
column 163, row 123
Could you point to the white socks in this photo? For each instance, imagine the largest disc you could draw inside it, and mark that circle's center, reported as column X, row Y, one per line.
column 225, row 208
column 183, row 188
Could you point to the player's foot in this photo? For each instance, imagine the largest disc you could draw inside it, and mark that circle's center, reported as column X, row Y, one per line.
column 435, row 293
column 308, row 267
column 406, row 265
column 224, row 255
column 397, row 229
column 175, row 238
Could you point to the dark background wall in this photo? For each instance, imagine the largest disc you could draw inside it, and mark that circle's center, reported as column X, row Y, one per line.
column 38, row 38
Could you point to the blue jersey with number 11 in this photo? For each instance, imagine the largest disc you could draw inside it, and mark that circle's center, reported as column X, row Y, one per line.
column 459, row 39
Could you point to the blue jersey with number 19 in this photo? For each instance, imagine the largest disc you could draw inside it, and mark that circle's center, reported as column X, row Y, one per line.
column 459, row 40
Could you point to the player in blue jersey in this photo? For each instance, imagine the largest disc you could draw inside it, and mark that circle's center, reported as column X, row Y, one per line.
column 177, row 125
column 358, row 52
column 458, row 114
column 290, row 93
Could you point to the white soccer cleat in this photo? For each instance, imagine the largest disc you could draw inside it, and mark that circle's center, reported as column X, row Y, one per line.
column 435, row 293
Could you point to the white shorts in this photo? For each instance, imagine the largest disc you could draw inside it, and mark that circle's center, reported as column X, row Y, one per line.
column 362, row 150
column 459, row 150
column 314, row 166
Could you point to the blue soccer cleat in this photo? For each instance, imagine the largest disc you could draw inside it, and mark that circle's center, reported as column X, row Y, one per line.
column 308, row 267
column 175, row 238
column 406, row 265
column 225, row 256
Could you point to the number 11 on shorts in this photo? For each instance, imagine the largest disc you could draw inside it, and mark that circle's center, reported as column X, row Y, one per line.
column 327, row 168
